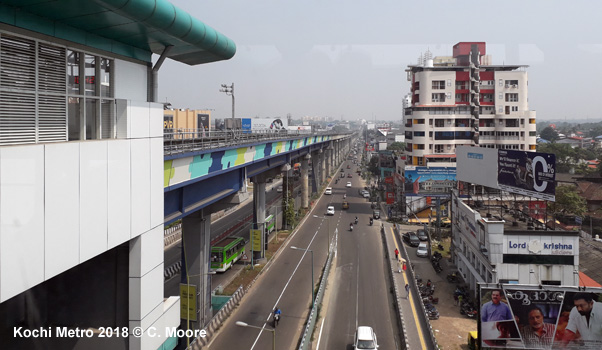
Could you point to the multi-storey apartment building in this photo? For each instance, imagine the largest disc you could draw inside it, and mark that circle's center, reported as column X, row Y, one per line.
column 465, row 100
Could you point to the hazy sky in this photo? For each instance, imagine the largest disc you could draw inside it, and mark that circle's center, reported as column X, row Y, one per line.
column 348, row 58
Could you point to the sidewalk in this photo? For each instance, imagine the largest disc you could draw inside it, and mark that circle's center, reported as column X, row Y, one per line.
column 413, row 329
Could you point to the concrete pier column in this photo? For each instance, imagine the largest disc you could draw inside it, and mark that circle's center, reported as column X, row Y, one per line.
column 322, row 167
column 259, row 216
column 196, row 257
column 328, row 161
column 315, row 174
column 305, row 181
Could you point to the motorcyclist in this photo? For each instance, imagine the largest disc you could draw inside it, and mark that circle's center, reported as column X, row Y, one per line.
column 371, row 221
column 356, row 219
column 351, row 226
column 345, row 196
column 277, row 314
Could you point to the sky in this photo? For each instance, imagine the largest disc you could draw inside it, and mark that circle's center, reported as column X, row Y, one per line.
column 346, row 59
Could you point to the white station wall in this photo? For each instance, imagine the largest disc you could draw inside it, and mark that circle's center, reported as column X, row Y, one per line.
column 64, row 203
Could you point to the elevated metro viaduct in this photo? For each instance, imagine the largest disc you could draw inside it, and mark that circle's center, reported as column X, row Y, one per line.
column 200, row 183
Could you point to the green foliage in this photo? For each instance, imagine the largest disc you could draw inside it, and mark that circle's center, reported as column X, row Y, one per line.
column 568, row 201
column 396, row 146
column 373, row 166
column 549, row 134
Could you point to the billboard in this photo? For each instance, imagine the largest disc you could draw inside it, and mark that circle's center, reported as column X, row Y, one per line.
column 539, row 317
column 477, row 165
column 300, row 128
column 203, row 121
column 421, row 180
column 268, row 123
column 527, row 173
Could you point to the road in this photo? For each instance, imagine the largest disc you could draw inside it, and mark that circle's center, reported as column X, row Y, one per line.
column 360, row 294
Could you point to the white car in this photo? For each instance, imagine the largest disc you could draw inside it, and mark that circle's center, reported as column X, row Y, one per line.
column 330, row 210
column 422, row 250
column 328, row 190
column 366, row 194
column 348, row 184
column 365, row 338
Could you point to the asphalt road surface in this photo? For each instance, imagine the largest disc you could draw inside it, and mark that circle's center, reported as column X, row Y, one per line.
column 359, row 296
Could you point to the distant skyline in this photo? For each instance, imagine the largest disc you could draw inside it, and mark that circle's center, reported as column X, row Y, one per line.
column 347, row 59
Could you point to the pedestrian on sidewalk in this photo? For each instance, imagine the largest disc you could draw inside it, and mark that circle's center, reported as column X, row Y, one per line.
column 455, row 299
column 396, row 254
column 407, row 291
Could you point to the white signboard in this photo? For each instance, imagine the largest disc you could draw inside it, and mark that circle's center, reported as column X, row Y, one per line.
column 541, row 245
column 268, row 123
column 477, row 165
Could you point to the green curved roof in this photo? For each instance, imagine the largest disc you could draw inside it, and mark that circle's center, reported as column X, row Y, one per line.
column 134, row 28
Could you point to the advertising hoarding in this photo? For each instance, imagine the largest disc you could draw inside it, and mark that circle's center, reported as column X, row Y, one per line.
column 527, row 173
column 300, row 128
column 268, row 124
column 477, row 165
column 203, row 121
column 539, row 317
column 420, row 180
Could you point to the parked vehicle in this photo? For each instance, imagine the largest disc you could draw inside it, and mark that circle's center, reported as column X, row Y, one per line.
column 422, row 250
column 411, row 239
column 422, row 235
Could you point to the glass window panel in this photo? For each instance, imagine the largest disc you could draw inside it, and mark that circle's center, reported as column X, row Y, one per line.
column 73, row 58
column 92, row 125
column 74, row 119
column 105, row 78
column 107, row 111
column 90, row 77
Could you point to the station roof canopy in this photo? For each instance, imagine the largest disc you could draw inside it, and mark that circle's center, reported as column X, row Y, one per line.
column 134, row 28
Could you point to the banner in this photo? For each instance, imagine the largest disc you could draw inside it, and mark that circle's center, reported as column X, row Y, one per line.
column 526, row 317
column 423, row 180
column 390, row 197
column 256, row 240
column 527, row 173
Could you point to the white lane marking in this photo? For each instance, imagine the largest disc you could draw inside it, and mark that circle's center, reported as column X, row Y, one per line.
column 320, row 336
column 284, row 289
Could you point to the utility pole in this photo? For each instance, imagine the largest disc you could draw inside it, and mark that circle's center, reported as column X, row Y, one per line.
column 229, row 90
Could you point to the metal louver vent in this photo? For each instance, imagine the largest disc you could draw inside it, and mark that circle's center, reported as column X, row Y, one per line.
column 52, row 110
column 17, row 118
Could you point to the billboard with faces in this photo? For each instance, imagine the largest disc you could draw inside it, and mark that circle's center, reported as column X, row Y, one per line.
column 532, row 317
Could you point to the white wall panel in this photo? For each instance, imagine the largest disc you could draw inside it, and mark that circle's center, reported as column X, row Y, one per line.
column 140, row 182
column 146, row 252
column 156, row 120
column 130, row 80
column 139, row 119
column 21, row 219
column 146, row 293
column 156, row 182
column 119, row 192
column 93, row 198
column 61, row 202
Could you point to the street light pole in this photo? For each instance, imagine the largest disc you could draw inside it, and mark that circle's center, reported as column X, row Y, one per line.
column 312, row 272
column 244, row 324
column 229, row 90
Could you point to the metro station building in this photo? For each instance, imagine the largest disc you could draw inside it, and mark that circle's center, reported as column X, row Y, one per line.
column 81, row 165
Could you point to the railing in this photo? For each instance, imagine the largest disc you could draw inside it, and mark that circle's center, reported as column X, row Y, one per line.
column 189, row 140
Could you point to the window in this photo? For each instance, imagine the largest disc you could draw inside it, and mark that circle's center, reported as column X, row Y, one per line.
column 439, row 84
column 439, row 123
column 461, row 85
column 419, row 121
column 439, row 148
column 419, row 146
column 539, row 259
column 511, row 83
column 419, row 133
column 487, row 97
column 514, row 108
column 438, row 97
column 532, row 133
column 487, row 83
column 511, row 97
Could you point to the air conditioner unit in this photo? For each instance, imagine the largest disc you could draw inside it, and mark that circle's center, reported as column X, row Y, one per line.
column 507, row 85
column 515, row 86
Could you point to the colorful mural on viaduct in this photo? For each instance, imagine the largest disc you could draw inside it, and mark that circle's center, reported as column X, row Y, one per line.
column 184, row 169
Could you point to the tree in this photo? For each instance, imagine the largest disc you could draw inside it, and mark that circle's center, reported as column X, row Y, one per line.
column 373, row 167
column 549, row 134
column 568, row 201
column 396, row 146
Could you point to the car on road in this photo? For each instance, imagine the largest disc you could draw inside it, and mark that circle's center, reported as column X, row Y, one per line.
column 365, row 339
column 345, row 205
column 422, row 250
column 422, row 235
column 342, row 175
column 328, row 190
column 411, row 239
column 376, row 214
column 279, row 189
column 348, row 184
column 342, row 170
column 348, row 167
column 349, row 175
column 366, row 194
column 330, row 210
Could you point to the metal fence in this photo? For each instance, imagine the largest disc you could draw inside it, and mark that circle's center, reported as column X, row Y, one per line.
column 190, row 140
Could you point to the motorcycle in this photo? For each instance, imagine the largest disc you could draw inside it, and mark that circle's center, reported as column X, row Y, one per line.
column 440, row 246
column 371, row 221
column 453, row 278
column 351, row 228
column 356, row 221
column 276, row 320
column 431, row 311
column 437, row 266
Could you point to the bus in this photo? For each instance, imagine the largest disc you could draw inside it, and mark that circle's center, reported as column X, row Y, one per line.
column 269, row 224
column 226, row 252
